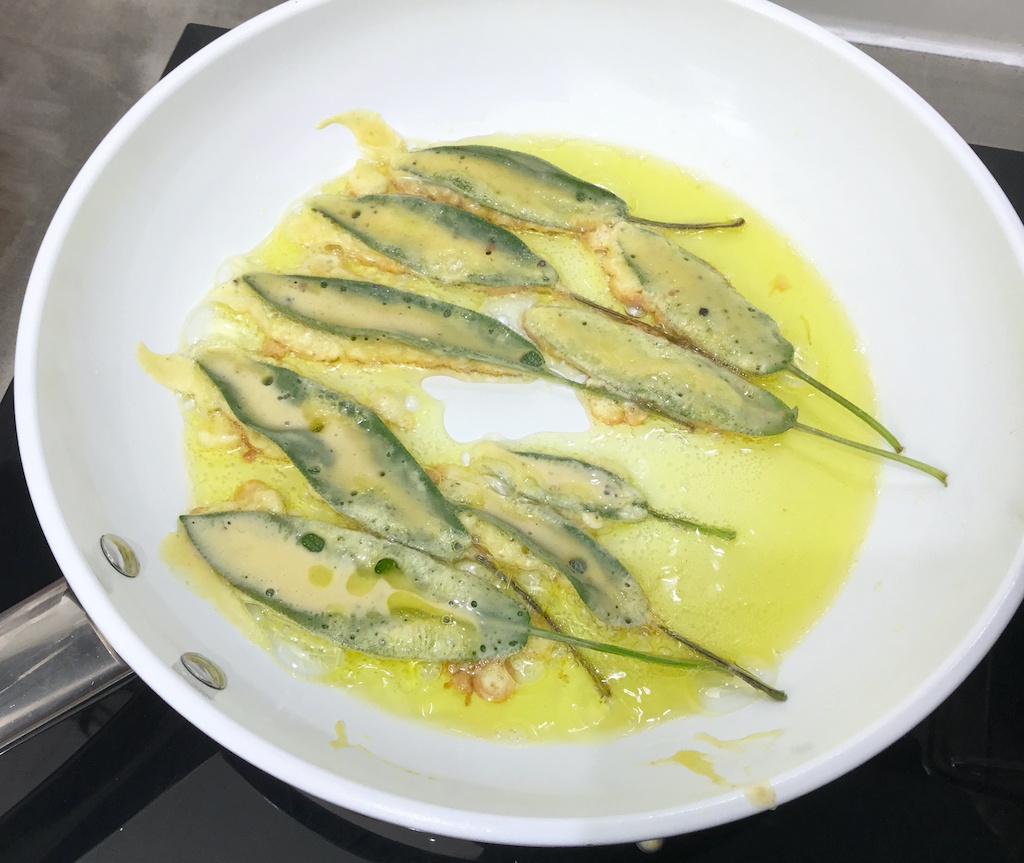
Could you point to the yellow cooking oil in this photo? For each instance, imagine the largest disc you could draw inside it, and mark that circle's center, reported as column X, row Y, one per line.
column 800, row 506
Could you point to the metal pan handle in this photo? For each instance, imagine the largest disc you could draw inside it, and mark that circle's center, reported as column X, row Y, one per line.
column 52, row 661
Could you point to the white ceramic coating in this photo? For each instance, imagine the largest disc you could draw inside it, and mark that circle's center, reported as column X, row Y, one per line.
column 894, row 209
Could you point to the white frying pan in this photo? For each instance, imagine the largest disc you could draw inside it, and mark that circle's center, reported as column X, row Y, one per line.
column 915, row 238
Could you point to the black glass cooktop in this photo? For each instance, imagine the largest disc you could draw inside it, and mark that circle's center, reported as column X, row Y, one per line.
column 125, row 779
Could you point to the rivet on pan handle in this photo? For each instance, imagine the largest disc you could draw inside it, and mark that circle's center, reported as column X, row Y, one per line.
column 52, row 661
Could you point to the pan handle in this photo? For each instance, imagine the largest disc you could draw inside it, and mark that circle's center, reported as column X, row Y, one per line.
column 52, row 661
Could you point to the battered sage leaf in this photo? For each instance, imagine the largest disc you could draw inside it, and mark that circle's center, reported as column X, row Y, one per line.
column 525, row 187
column 693, row 301
column 572, row 485
column 606, row 587
column 416, row 607
column 413, row 608
column 651, row 370
column 604, row 584
column 360, row 309
column 344, row 450
column 672, row 381
column 437, row 240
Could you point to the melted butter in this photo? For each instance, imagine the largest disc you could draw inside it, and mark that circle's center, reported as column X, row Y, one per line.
column 761, row 795
column 761, row 739
column 340, row 737
column 699, row 763
column 320, row 575
column 750, row 600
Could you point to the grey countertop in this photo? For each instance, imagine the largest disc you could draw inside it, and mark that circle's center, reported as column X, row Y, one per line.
column 69, row 69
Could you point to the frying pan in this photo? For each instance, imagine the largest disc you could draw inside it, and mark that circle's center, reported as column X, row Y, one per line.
column 916, row 240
